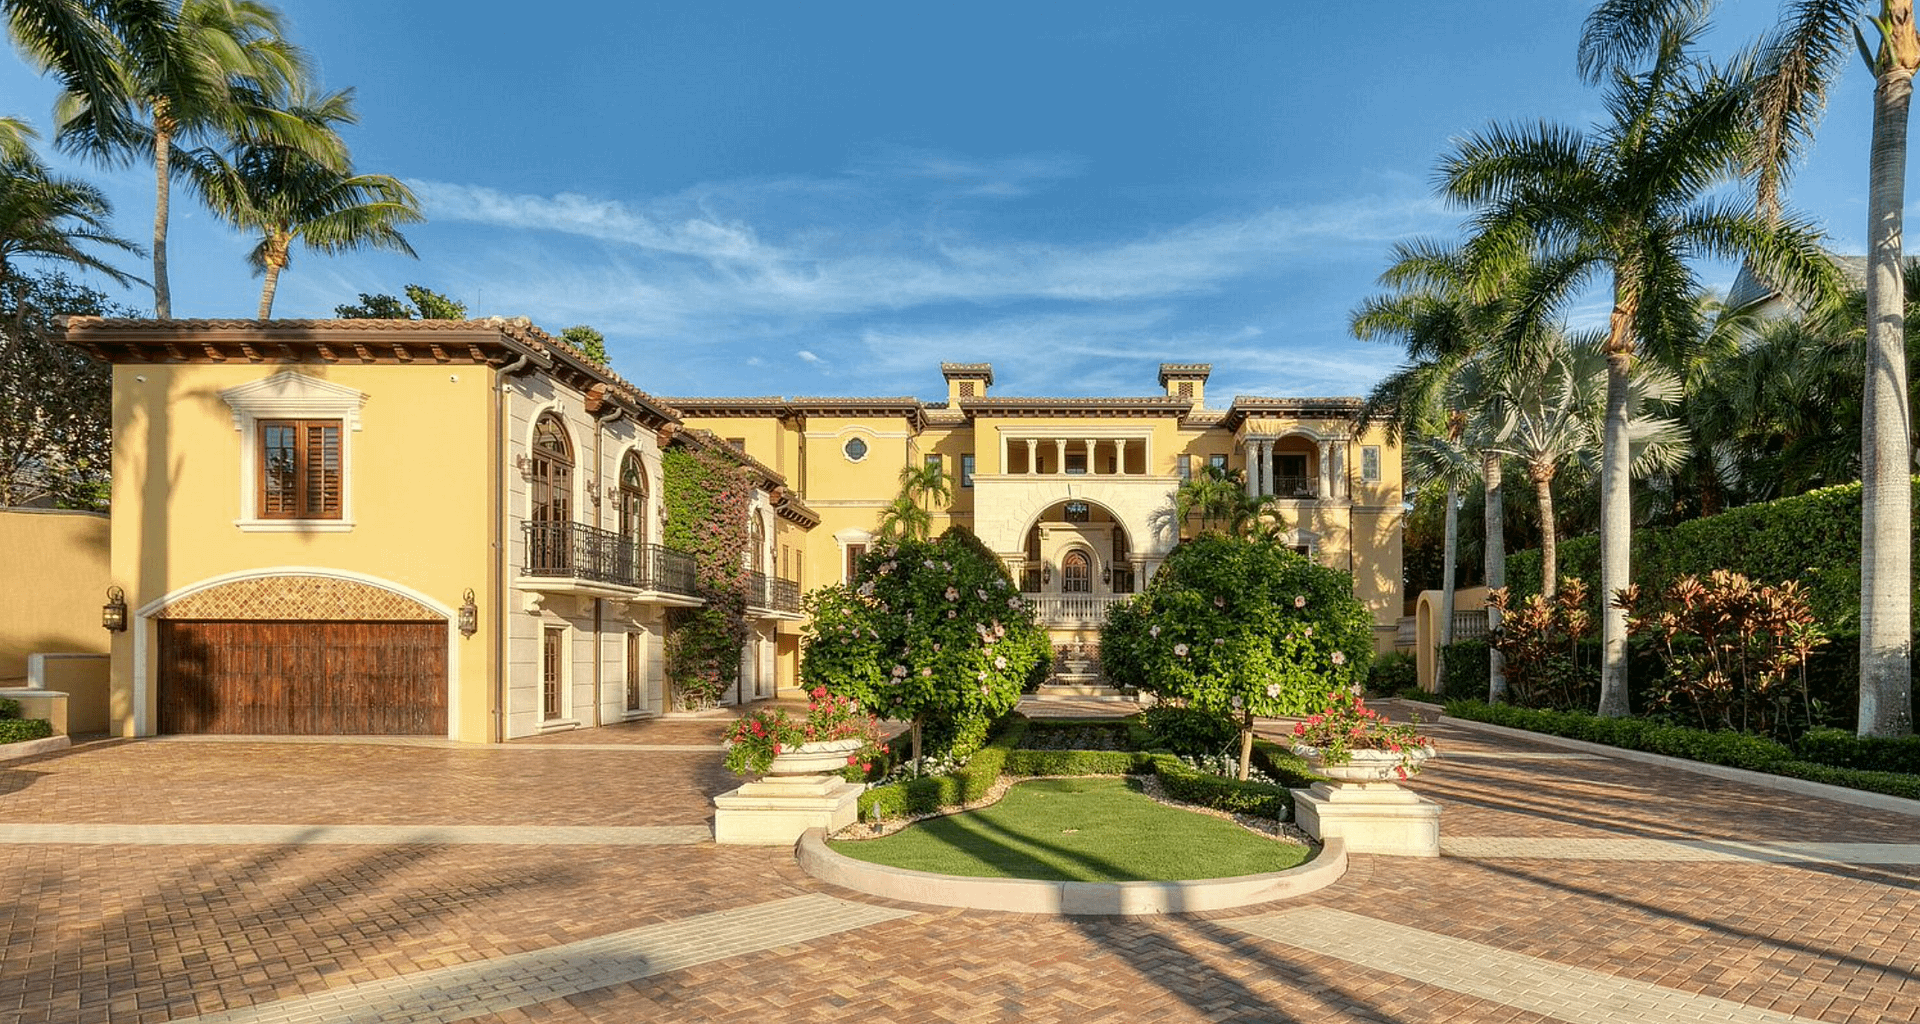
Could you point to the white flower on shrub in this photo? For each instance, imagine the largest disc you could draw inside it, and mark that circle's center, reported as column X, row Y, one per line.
column 1339, row 658
column 1000, row 661
column 953, row 594
column 899, row 671
column 1273, row 690
column 1180, row 650
column 1154, row 631
column 1299, row 600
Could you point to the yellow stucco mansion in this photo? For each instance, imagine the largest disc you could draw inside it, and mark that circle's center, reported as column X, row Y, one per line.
column 454, row 528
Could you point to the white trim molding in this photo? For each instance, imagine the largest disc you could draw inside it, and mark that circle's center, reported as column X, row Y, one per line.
column 292, row 395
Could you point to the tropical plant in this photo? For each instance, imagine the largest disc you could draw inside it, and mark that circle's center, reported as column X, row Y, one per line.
column 56, row 402
column 1545, row 642
column 1634, row 201
column 1731, row 647
column 1797, row 64
column 1551, row 418
column 1238, row 627
column 284, row 195
column 146, row 75
column 909, row 516
column 934, row 633
column 50, row 218
column 1224, row 505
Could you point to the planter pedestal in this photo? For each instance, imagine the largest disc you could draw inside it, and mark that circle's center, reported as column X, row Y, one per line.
column 777, row 809
column 1372, row 817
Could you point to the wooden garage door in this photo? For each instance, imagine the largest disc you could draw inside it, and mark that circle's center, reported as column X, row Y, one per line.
column 303, row 678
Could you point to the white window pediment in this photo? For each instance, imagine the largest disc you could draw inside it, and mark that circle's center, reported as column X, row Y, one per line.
column 294, row 396
column 289, row 395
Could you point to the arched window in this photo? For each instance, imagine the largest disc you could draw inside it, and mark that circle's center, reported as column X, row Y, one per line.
column 549, row 548
column 1076, row 573
column 756, row 543
column 552, row 472
column 633, row 499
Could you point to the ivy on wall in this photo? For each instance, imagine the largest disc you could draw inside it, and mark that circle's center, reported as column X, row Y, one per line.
column 707, row 496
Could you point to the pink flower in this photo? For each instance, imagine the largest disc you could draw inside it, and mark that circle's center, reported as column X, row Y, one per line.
column 1299, row 600
column 952, row 594
column 926, row 673
column 899, row 671
column 1339, row 658
column 1000, row 662
column 853, row 758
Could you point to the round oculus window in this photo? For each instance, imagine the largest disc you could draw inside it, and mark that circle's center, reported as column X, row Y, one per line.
column 856, row 449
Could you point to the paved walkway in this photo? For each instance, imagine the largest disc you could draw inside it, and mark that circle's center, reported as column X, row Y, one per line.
column 569, row 879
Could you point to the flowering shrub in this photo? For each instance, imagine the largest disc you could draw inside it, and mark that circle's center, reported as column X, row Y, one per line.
column 1346, row 724
column 706, row 498
column 754, row 739
column 934, row 633
column 1239, row 627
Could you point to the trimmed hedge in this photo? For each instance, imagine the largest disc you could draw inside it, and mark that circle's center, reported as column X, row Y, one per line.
column 1812, row 537
column 1468, row 664
column 1842, row 749
column 924, row 796
column 1732, row 749
column 9, row 709
column 1002, row 754
column 16, row 730
column 1078, row 762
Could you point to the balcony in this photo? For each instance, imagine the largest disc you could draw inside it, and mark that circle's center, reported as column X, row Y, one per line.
column 580, row 559
column 1074, row 611
column 773, row 596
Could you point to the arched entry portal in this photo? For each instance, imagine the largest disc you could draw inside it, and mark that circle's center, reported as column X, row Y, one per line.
column 1078, row 559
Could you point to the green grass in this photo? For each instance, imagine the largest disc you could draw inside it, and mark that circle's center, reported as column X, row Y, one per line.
column 1078, row 830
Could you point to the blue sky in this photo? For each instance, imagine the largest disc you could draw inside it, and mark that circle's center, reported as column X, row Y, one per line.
column 830, row 199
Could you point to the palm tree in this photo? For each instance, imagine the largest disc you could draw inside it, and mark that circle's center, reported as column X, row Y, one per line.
column 1634, row 201
column 52, row 218
column 1220, row 498
column 178, row 70
column 1449, row 329
column 1798, row 63
column 1446, row 459
column 1551, row 417
column 283, row 194
column 910, row 514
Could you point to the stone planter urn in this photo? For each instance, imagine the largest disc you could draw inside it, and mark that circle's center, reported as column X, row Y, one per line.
column 800, row 791
column 822, row 758
column 1364, row 805
column 1364, row 765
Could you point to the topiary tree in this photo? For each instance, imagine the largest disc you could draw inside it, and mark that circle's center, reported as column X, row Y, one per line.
column 934, row 633
column 1241, row 627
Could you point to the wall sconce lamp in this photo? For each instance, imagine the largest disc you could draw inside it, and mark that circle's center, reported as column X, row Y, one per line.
column 1046, row 572
column 469, row 615
column 1106, row 575
column 524, row 463
column 113, row 614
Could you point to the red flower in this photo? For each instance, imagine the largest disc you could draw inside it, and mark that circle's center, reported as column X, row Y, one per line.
column 853, row 758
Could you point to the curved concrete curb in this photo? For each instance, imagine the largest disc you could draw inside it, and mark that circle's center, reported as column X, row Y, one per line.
column 1031, row 896
column 33, row 748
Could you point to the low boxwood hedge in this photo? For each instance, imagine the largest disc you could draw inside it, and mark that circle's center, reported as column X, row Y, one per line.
column 9, row 709
column 1002, row 754
column 1841, row 749
column 1731, row 749
column 15, row 730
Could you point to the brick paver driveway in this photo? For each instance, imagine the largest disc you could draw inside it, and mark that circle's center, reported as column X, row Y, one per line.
column 568, row 881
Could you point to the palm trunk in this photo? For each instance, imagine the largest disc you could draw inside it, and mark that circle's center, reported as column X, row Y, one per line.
column 267, row 289
column 1493, row 544
column 1447, row 574
column 1246, row 743
column 162, row 157
column 1549, row 528
column 1886, row 541
column 1616, row 511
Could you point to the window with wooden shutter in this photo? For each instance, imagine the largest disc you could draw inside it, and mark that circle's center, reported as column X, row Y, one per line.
column 300, row 471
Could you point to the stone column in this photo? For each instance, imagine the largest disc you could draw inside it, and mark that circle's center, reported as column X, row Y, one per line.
column 1059, row 455
column 1326, row 470
column 1250, row 456
column 1341, row 489
column 1266, row 466
column 1092, row 468
column 1033, row 456
column 1120, row 456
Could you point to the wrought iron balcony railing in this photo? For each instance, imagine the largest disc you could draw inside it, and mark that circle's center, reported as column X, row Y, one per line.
column 582, row 552
column 772, row 593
